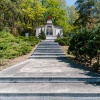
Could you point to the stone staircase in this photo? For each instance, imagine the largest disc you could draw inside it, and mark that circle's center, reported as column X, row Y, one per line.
column 44, row 78
column 48, row 49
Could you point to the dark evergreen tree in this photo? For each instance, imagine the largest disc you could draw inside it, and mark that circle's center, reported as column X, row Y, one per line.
column 42, row 35
column 58, row 36
column 87, row 11
column 85, row 45
column 98, row 11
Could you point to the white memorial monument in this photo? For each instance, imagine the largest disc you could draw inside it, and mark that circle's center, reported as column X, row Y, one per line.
column 51, row 31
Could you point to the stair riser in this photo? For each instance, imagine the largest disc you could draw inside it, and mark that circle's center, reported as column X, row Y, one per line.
column 48, row 44
column 42, row 57
column 51, row 94
column 48, row 41
column 50, row 80
column 46, row 98
column 48, row 54
column 48, row 47
column 47, row 51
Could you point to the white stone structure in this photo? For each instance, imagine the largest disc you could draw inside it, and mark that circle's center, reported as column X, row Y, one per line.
column 50, row 30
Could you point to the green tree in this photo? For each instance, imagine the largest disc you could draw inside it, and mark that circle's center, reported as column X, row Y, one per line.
column 87, row 12
column 97, row 4
column 72, row 14
column 58, row 13
column 42, row 35
column 21, row 16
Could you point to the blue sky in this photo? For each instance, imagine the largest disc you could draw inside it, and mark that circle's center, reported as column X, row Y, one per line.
column 70, row 2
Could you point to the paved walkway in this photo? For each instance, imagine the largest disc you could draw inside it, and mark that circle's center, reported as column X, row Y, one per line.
column 48, row 68
column 49, row 78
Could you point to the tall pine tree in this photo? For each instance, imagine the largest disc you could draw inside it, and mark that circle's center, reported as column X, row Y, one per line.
column 87, row 11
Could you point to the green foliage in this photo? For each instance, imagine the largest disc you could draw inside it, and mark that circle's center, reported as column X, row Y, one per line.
column 5, row 34
column 12, row 47
column 96, row 66
column 42, row 35
column 21, row 16
column 58, row 14
column 72, row 14
column 87, row 11
column 97, row 4
column 85, row 44
column 58, row 36
column 63, row 41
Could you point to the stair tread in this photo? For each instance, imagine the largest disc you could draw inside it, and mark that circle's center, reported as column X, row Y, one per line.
column 48, row 48
column 21, row 97
column 48, row 88
column 47, row 53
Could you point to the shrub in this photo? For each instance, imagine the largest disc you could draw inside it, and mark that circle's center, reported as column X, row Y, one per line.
column 63, row 41
column 58, row 36
column 85, row 45
column 12, row 47
column 5, row 34
column 42, row 35
column 96, row 66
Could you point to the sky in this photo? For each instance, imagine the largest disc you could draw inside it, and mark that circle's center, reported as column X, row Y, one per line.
column 70, row 2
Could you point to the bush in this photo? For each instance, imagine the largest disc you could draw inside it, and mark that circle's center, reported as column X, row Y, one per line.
column 12, row 47
column 42, row 35
column 85, row 45
column 96, row 66
column 63, row 41
column 58, row 36
column 32, row 40
column 5, row 34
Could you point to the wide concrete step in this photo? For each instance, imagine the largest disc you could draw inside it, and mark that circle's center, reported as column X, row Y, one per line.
column 49, row 43
column 94, row 80
column 49, row 53
column 46, row 97
column 47, row 56
column 48, row 46
column 48, row 49
column 50, row 89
